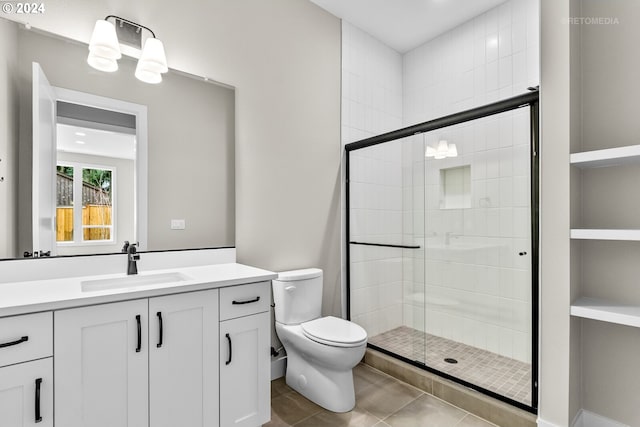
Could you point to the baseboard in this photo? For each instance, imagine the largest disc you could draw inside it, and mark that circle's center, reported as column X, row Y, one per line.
column 590, row 419
column 542, row 423
column 278, row 367
column 586, row 419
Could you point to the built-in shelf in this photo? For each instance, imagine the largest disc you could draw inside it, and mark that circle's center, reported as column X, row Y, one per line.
column 607, row 157
column 597, row 309
column 605, row 234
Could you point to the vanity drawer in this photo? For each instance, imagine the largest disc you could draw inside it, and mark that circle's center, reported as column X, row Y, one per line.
column 24, row 338
column 244, row 300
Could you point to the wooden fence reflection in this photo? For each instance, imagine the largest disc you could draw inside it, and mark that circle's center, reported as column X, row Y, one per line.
column 94, row 215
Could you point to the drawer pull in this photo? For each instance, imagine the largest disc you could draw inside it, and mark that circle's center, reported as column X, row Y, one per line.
column 159, row 314
column 230, row 349
column 38, row 415
column 256, row 299
column 9, row 344
column 139, row 347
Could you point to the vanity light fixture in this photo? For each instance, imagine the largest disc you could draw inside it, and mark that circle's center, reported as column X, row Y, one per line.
column 442, row 151
column 104, row 48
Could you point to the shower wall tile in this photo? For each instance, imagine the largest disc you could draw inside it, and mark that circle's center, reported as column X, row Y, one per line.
column 371, row 85
column 478, row 297
column 498, row 55
column 489, row 58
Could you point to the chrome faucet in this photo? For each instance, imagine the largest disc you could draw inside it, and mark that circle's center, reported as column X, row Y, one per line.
column 448, row 236
column 133, row 256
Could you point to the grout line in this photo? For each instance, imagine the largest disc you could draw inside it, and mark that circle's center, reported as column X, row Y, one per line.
column 403, row 406
column 475, row 416
column 306, row 418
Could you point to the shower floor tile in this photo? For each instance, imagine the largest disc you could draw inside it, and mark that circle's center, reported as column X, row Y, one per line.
column 508, row 377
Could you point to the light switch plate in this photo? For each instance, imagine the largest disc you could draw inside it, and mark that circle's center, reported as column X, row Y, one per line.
column 178, row 224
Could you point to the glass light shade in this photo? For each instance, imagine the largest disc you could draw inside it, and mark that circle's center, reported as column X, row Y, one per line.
column 148, row 76
column 102, row 64
column 442, row 150
column 452, row 151
column 104, row 41
column 153, row 57
column 430, row 151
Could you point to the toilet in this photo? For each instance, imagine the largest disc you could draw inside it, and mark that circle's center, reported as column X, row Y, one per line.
column 321, row 351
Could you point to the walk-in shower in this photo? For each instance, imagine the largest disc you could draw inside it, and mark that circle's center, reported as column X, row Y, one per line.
column 442, row 236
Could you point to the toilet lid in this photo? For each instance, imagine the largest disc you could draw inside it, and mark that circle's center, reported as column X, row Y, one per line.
column 334, row 331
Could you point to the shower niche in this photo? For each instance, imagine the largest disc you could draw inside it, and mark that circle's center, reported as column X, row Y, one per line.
column 455, row 187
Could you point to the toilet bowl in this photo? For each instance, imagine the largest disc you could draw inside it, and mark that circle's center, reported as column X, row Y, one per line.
column 321, row 351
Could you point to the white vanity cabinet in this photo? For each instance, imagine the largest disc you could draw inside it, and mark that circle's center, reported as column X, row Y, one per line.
column 137, row 363
column 244, row 355
column 26, row 371
column 101, row 365
column 183, row 360
column 26, row 394
column 137, row 355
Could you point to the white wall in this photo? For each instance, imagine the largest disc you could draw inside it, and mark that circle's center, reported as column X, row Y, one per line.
column 555, row 72
column 8, row 139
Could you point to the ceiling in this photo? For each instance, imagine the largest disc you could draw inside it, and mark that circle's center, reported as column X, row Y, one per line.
column 82, row 140
column 406, row 24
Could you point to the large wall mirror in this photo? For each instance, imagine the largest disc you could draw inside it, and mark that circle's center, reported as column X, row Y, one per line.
column 131, row 161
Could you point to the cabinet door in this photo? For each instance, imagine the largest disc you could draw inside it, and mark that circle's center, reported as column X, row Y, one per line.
column 26, row 394
column 245, row 371
column 183, row 360
column 101, row 365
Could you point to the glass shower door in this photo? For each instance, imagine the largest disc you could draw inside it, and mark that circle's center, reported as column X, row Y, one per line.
column 442, row 246
column 385, row 252
column 478, row 253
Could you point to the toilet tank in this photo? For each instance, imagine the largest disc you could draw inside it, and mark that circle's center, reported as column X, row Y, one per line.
column 297, row 296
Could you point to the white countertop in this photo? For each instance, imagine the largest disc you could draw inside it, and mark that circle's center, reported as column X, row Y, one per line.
column 43, row 295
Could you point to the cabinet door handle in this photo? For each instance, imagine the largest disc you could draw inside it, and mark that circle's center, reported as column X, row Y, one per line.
column 139, row 347
column 16, row 342
column 159, row 314
column 256, row 299
column 230, row 349
column 38, row 415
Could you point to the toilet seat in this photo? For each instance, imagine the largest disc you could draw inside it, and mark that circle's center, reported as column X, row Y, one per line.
column 334, row 332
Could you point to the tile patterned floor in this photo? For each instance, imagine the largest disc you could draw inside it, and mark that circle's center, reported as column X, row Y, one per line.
column 381, row 401
column 505, row 376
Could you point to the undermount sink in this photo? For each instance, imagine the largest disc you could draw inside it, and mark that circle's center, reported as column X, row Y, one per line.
column 132, row 281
